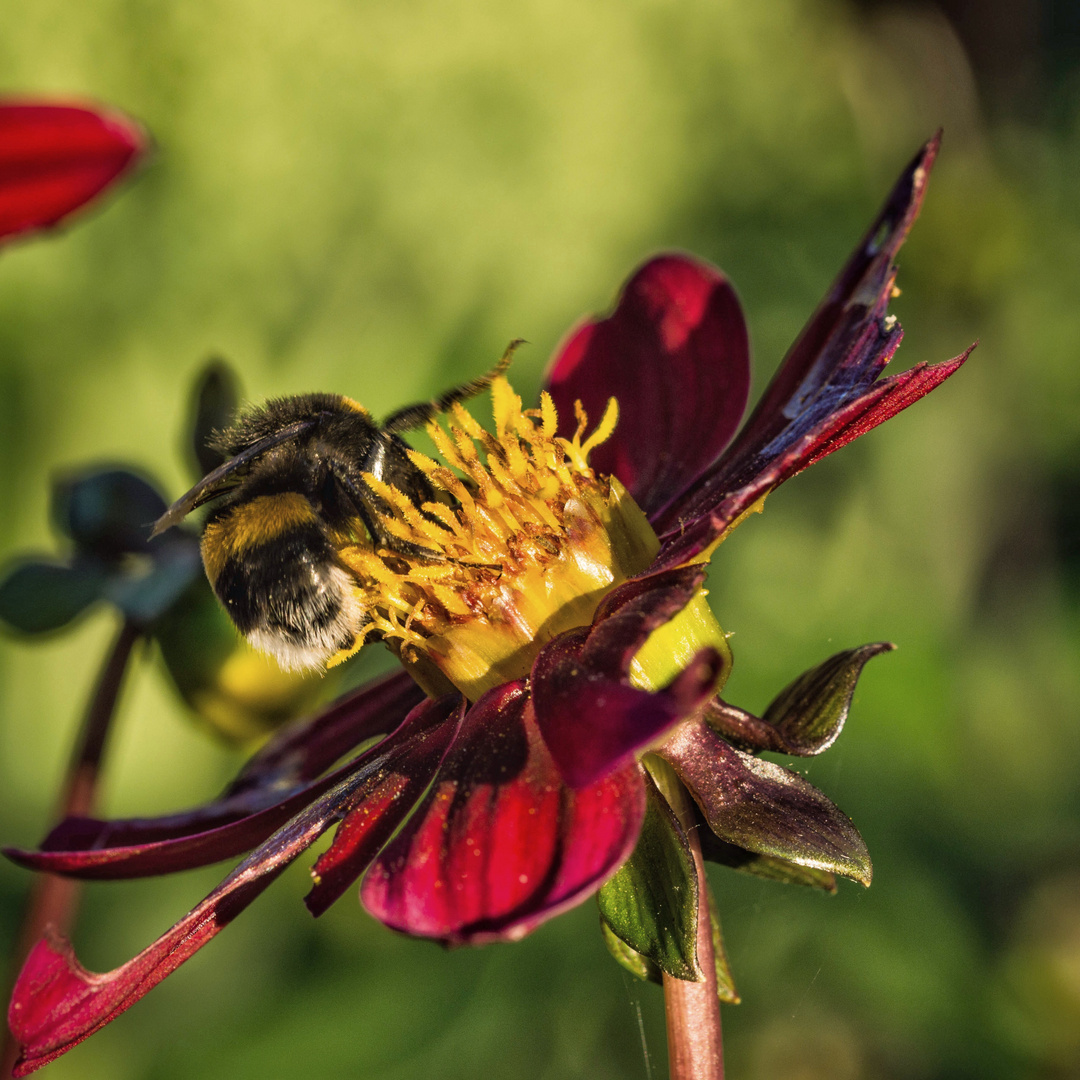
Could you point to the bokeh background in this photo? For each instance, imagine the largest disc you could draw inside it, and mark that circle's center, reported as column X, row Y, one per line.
column 373, row 198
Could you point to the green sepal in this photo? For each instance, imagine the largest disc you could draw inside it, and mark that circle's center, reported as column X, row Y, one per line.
column 725, row 984
column 766, row 866
column 640, row 966
column 651, row 903
column 810, row 713
column 37, row 597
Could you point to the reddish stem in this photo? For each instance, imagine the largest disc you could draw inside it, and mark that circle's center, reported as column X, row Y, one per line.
column 695, row 1039
column 54, row 900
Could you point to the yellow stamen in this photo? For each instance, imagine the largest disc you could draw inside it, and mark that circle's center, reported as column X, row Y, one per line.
column 520, row 547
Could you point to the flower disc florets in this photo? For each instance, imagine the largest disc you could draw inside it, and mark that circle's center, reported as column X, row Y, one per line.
column 522, row 545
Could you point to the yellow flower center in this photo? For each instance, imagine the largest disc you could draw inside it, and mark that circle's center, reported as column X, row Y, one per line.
column 524, row 541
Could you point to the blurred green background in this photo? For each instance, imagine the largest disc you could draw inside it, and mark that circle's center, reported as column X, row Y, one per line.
column 373, row 198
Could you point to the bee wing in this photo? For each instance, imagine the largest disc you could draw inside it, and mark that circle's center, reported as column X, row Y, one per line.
column 213, row 483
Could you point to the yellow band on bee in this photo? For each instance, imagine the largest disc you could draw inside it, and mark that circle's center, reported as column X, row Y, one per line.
column 251, row 524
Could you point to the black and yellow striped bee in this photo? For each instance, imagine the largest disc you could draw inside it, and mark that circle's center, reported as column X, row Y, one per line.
column 291, row 491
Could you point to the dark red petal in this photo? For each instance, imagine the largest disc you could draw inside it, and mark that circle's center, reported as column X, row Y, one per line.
column 825, row 393
column 630, row 613
column 309, row 747
column 55, row 158
column 761, row 807
column 500, row 844
column 367, row 827
column 676, row 355
column 865, row 280
column 57, row 1003
column 850, row 420
column 590, row 715
column 265, row 793
column 182, row 852
column 592, row 723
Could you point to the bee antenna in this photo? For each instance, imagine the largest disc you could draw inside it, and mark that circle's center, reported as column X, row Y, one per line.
column 414, row 416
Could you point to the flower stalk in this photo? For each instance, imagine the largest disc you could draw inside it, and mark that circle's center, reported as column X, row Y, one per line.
column 692, row 1008
column 54, row 900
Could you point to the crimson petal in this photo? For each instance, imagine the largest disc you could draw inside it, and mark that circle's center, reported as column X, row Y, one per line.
column 55, row 158
column 630, row 613
column 57, row 1003
column 676, row 355
column 593, row 724
column 824, row 394
column 760, row 807
column 255, row 802
column 590, row 715
column 500, row 844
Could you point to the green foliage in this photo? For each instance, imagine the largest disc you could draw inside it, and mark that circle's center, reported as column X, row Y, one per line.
column 651, row 903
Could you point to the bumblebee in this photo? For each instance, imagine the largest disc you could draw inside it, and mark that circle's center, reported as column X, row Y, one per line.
column 290, row 492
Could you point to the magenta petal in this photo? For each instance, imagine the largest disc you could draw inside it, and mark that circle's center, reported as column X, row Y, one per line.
column 676, row 355
column 57, row 1003
column 590, row 715
column 630, row 613
column 55, row 158
column 500, row 844
column 593, row 724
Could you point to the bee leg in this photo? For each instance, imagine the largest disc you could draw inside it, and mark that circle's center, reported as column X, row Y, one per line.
column 414, row 416
column 369, row 506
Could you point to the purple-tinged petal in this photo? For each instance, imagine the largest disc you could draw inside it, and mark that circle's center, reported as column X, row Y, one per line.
column 629, row 614
column 55, row 158
column 761, row 807
column 676, row 355
column 57, row 1003
column 866, row 279
column 705, row 523
column 270, row 780
column 500, row 844
column 590, row 715
column 593, row 724
column 824, row 394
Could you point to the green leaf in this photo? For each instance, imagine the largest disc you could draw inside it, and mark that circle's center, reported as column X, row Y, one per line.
column 725, row 984
column 37, row 597
column 638, row 965
column 810, row 713
column 146, row 592
column 108, row 512
column 651, row 903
